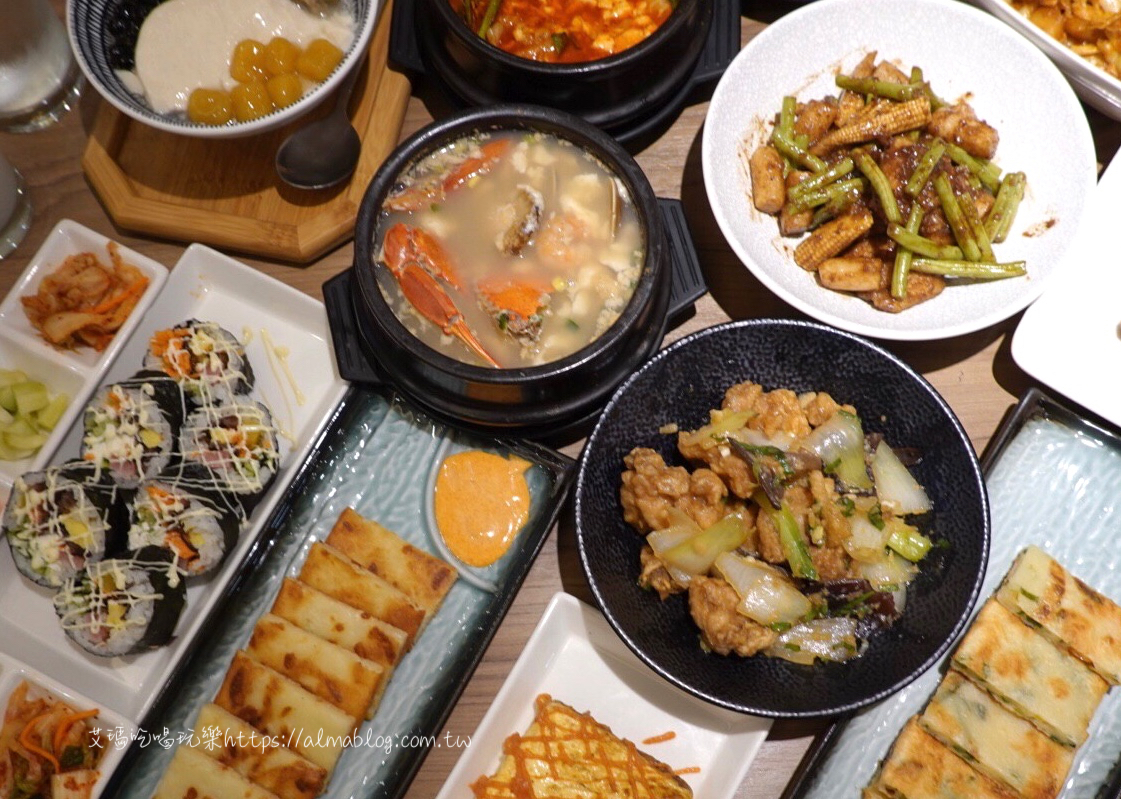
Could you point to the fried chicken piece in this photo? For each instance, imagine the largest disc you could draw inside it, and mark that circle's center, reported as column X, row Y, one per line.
column 655, row 576
column 712, row 603
column 833, row 520
column 651, row 488
column 958, row 123
column 832, row 563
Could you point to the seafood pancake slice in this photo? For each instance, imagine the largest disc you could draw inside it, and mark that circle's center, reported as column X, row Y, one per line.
column 1030, row 675
column 330, row 672
column 919, row 767
column 994, row 740
column 281, row 709
column 569, row 755
column 1066, row 610
column 425, row 579
column 360, row 632
column 224, row 737
column 193, row 775
column 338, row 576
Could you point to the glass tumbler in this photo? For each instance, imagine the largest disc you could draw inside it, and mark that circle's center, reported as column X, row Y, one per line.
column 15, row 208
column 39, row 78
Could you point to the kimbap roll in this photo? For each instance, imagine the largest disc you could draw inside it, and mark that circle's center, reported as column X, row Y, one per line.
column 197, row 530
column 231, row 448
column 123, row 605
column 207, row 360
column 56, row 523
column 130, row 428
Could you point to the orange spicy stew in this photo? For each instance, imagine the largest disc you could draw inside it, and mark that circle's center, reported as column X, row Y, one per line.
column 564, row 31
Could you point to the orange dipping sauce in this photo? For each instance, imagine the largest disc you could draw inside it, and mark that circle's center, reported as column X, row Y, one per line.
column 482, row 502
column 565, row 31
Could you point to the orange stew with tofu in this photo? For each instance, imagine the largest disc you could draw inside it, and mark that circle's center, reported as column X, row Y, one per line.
column 564, row 31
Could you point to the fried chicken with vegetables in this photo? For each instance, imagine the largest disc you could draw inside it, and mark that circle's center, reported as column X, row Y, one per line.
column 792, row 531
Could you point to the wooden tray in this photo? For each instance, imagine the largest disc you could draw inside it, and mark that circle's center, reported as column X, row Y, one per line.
column 226, row 193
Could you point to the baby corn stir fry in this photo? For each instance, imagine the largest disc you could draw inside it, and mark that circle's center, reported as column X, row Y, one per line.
column 895, row 187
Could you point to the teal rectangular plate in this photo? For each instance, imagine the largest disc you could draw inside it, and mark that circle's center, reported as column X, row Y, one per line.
column 376, row 456
column 1053, row 474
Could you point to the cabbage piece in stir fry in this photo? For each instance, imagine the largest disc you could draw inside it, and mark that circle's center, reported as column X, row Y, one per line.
column 895, row 188
column 794, row 533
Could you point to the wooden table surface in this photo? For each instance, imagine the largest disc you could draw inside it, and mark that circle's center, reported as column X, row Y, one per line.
column 975, row 373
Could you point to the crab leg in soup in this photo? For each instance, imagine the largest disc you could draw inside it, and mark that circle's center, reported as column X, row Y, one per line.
column 509, row 249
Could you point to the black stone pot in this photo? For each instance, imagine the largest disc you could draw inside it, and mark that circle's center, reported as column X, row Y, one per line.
column 611, row 92
column 534, row 402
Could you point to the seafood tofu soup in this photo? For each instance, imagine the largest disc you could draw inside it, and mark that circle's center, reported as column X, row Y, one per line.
column 508, row 249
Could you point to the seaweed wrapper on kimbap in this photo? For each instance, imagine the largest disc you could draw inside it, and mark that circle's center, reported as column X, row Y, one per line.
column 130, row 427
column 119, row 606
column 231, row 448
column 199, row 530
column 207, row 360
column 58, row 520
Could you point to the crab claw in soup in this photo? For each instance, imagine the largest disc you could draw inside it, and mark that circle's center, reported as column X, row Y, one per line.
column 508, row 249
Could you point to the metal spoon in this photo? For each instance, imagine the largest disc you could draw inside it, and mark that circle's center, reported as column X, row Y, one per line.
column 325, row 152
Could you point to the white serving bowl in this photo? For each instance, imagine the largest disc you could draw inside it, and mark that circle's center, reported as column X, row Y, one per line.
column 91, row 39
column 1093, row 84
column 1043, row 133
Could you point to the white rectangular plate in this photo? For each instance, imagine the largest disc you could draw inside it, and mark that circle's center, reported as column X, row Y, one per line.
column 576, row 658
column 1070, row 338
column 273, row 321
column 74, row 372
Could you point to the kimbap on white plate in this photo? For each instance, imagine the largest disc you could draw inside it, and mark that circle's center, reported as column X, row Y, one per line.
column 165, row 479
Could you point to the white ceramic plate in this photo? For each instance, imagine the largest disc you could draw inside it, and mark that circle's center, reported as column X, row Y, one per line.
column 113, row 730
column 1093, row 84
column 575, row 657
column 1070, row 338
column 963, row 52
column 76, row 372
column 260, row 311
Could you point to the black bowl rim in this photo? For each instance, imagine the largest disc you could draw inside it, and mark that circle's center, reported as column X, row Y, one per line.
column 960, row 434
column 548, row 69
column 498, row 117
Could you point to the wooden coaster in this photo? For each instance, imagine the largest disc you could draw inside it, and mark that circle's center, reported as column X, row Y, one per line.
column 226, row 193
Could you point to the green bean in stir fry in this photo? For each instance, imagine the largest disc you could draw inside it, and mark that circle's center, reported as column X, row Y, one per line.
column 888, row 149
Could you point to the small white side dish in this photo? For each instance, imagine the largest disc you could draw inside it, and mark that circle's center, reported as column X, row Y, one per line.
column 74, row 372
column 574, row 656
column 1070, row 338
column 963, row 52
column 113, row 730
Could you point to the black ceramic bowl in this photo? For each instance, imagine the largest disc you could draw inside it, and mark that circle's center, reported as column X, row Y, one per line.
column 534, row 401
column 611, row 92
column 679, row 386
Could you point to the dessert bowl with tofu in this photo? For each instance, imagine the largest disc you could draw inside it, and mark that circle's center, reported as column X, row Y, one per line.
column 218, row 70
column 511, row 268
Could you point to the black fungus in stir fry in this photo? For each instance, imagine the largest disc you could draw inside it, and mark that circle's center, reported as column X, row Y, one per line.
column 794, row 533
column 895, row 187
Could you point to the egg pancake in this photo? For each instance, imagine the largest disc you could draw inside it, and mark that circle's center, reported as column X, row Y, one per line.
column 338, row 576
column 994, row 740
column 425, row 579
column 360, row 632
column 330, row 672
column 224, row 737
column 920, row 767
column 1030, row 675
column 193, row 775
column 1066, row 610
column 569, row 755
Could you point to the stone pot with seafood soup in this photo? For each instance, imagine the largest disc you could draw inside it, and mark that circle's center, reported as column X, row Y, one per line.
column 511, row 269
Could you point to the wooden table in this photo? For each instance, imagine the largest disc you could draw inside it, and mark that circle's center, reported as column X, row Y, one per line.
column 975, row 373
